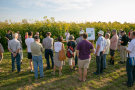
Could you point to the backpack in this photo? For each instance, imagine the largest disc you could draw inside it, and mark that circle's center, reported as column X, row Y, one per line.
column 70, row 51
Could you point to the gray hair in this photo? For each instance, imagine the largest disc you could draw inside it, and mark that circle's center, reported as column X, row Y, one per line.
column 71, row 37
column 108, row 35
column 15, row 35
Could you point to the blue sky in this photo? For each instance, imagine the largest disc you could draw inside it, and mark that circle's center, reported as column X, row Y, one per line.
column 68, row 10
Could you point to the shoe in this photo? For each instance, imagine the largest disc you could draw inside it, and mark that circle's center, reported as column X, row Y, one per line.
column 53, row 73
column 60, row 74
column 31, row 71
column 47, row 68
column 96, row 73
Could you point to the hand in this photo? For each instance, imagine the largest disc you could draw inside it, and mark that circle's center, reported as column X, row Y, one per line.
column 14, row 54
column 96, row 54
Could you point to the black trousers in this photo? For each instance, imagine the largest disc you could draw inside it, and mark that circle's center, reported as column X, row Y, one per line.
column 100, row 63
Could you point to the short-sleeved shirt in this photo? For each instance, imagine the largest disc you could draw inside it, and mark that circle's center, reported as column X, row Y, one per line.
column 72, row 44
column 14, row 45
column 131, row 48
column 9, row 36
column 125, row 40
column 79, row 39
column 48, row 43
column 102, row 43
column 57, row 46
column 84, row 49
column 36, row 49
column 114, row 42
column 28, row 42
column 107, row 47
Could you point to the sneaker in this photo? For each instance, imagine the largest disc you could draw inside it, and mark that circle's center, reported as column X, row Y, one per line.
column 53, row 73
column 96, row 73
column 32, row 71
column 60, row 74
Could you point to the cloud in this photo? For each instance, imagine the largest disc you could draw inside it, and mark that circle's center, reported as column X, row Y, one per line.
column 56, row 4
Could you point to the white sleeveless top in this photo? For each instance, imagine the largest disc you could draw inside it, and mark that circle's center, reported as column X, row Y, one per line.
column 57, row 46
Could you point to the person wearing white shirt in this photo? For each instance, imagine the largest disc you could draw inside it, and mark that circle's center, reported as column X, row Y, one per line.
column 106, row 49
column 28, row 42
column 100, row 44
column 67, row 34
column 57, row 63
column 131, row 69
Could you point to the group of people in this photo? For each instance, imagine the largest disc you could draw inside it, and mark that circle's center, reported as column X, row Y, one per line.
column 77, row 51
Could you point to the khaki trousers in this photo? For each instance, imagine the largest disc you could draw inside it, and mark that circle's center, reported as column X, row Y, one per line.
column 123, row 53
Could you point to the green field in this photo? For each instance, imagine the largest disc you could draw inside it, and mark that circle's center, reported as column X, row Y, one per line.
column 113, row 77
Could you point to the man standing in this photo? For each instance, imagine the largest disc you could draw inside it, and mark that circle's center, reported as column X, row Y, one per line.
column 67, row 34
column 129, row 68
column 48, row 45
column 36, row 50
column 21, row 49
column 9, row 35
column 100, row 46
column 28, row 42
column 124, row 42
column 84, row 49
column 14, row 47
column 113, row 45
column 79, row 39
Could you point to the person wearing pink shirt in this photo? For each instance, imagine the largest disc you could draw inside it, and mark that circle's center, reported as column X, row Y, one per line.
column 113, row 45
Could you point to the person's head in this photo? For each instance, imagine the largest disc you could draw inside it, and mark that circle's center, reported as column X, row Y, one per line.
column 123, row 33
column 36, row 38
column 18, row 32
column 9, row 31
column 107, row 35
column 26, row 33
column 114, row 32
column 37, row 33
column 60, row 38
column 100, row 33
column 133, row 35
column 66, row 30
column 15, row 36
column 81, row 28
column 81, row 33
column 71, row 37
column 48, row 34
column 30, row 33
column 85, row 36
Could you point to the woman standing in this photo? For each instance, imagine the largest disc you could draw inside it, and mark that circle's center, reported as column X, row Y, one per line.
column 70, row 51
column 57, row 63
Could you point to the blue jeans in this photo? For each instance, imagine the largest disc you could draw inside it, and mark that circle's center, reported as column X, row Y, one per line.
column 104, row 60
column 99, row 61
column 49, row 52
column 37, row 61
column 130, row 73
column 17, row 58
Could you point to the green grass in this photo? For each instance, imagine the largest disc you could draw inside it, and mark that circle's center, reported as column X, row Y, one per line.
column 112, row 78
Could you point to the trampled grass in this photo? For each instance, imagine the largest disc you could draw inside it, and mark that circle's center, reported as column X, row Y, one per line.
column 113, row 77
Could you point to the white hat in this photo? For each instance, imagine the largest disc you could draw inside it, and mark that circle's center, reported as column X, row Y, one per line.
column 101, row 32
column 81, row 32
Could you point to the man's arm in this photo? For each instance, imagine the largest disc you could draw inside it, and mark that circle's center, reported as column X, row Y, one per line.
column 97, row 49
column 77, row 53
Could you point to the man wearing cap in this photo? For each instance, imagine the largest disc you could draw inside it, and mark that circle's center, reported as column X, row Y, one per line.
column 100, row 45
column 113, row 45
column 77, row 41
column 14, row 48
column 36, row 50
